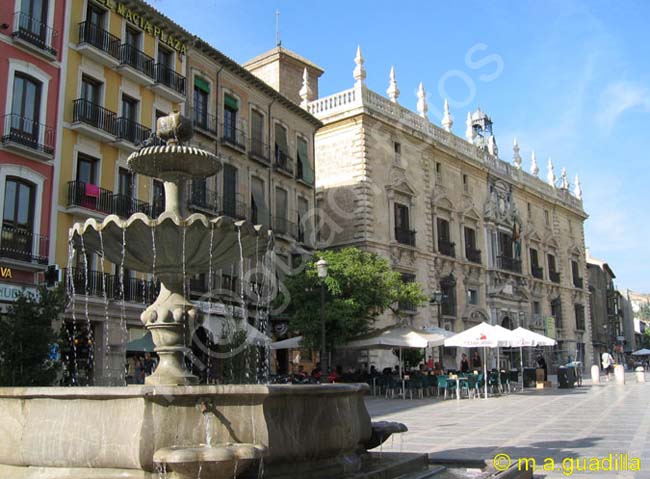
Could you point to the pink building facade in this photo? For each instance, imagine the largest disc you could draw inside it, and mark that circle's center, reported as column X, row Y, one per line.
column 31, row 56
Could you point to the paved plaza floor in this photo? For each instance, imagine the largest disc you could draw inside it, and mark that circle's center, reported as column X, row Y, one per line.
column 571, row 425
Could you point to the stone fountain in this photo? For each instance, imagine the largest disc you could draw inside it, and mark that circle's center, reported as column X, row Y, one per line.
column 168, row 423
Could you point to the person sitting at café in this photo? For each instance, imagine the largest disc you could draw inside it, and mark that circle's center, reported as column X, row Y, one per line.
column 317, row 372
column 476, row 360
column 464, row 363
column 335, row 375
column 373, row 371
column 437, row 369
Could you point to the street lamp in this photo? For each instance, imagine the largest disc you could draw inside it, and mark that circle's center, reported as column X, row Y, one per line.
column 321, row 267
column 436, row 299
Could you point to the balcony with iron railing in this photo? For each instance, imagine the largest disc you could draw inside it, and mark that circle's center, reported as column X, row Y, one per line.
column 508, row 263
column 447, row 248
column 554, row 276
column 537, row 272
column 100, row 284
column 448, row 308
column 283, row 162
column 203, row 199
column 23, row 245
column 130, row 133
column 233, row 137
column 578, row 282
column 473, row 255
column 407, row 307
column 168, row 83
column 27, row 136
column 233, row 206
column 203, row 121
column 99, row 44
column 405, row 236
column 35, row 34
column 284, row 227
column 94, row 120
column 104, row 202
column 259, row 151
column 136, row 65
column 304, row 173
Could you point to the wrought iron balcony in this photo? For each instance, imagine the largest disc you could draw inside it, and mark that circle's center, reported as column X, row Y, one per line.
column 448, row 308
column 166, row 76
column 554, row 276
column 23, row 245
column 233, row 207
column 99, row 38
column 233, row 136
column 137, row 59
column 405, row 236
column 473, row 254
column 132, row 131
column 408, row 307
column 202, row 120
column 92, row 197
column 578, row 282
column 259, row 151
column 157, row 207
column 100, row 284
column 201, row 198
column 27, row 133
column 87, row 112
column 125, row 205
column 282, row 226
column 509, row 264
column 283, row 162
column 35, row 32
column 537, row 272
column 446, row 247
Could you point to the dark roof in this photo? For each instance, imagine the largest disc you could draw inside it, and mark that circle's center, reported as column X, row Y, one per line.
column 203, row 46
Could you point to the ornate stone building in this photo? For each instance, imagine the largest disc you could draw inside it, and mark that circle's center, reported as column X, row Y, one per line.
column 501, row 244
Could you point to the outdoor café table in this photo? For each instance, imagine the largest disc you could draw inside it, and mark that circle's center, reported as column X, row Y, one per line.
column 458, row 380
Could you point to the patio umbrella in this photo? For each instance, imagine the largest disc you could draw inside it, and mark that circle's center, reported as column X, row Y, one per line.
column 223, row 328
column 480, row 336
column 507, row 340
column 389, row 338
column 291, row 343
column 641, row 352
column 528, row 338
column 435, row 336
column 141, row 345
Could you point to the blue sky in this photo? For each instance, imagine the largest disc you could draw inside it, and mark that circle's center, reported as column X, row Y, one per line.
column 569, row 79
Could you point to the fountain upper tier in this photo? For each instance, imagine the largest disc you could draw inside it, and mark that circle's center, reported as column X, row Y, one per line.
column 159, row 245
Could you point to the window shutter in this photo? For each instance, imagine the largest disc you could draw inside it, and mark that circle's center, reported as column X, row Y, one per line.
column 231, row 102
column 202, row 84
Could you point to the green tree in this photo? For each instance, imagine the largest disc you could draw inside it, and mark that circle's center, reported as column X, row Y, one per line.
column 359, row 287
column 26, row 335
column 644, row 315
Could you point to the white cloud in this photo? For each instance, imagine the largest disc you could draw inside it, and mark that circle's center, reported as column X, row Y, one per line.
column 619, row 97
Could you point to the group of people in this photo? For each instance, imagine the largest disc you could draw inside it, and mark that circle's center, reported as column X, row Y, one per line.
column 476, row 363
column 139, row 367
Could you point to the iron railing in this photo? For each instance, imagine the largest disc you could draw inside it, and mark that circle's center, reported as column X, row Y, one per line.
column 125, row 205
column 92, row 197
column 99, row 38
column 283, row 226
column 259, row 150
column 447, row 248
column 283, row 161
column 405, row 236
column 167, row 76
column 202, row 198
column 537, row 272
column 578, row 282
column 90, row 113
column 509, row 264
column 554, row 276
column 233, row 207
column 132, row 131
column 473, row 254
column 35, row 32
column 131, row 56
column 99, row 284
column 202, row 120
column 23, row 245
column 26, row 132
column 233, row 136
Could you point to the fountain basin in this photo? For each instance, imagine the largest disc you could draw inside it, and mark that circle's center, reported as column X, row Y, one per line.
column 173, row 162
column 174, row 238
column 74, row 433
column 219, row 461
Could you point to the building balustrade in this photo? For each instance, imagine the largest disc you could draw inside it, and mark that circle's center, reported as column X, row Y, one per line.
column 405, row 236
column 167, row 76
column 509, row 264
column 35, row 32
column 137, row 59
column 24, row 132
column 22, row 244
column 99, row 38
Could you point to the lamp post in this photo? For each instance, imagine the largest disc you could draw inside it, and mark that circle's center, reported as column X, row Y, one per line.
column 436, row 299
column 321, row 267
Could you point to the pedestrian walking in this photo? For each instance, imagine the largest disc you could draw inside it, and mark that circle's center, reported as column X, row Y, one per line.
column 607, row 361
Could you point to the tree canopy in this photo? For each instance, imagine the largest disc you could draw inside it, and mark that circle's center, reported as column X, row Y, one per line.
column 26, row 336
column 359, row 287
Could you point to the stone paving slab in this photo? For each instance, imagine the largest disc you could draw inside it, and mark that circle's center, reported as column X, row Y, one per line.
column 576, row 425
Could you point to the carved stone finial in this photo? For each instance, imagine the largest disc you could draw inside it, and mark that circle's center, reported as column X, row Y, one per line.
column 534, row 169
column 577, row 189
column 516, row 157
column 550, row 176
column 422, row 106
column 359, row 72
column 565, row 180
column 393, row 91
column 174, row 128
column 447, row 119
column 305, row 91
column 469, row 131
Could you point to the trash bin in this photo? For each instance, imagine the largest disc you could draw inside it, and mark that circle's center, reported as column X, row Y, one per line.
column 566, row 377
column 529, row 377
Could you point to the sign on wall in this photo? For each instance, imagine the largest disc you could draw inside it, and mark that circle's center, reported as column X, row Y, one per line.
column 549, row 327
column 9, row 292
